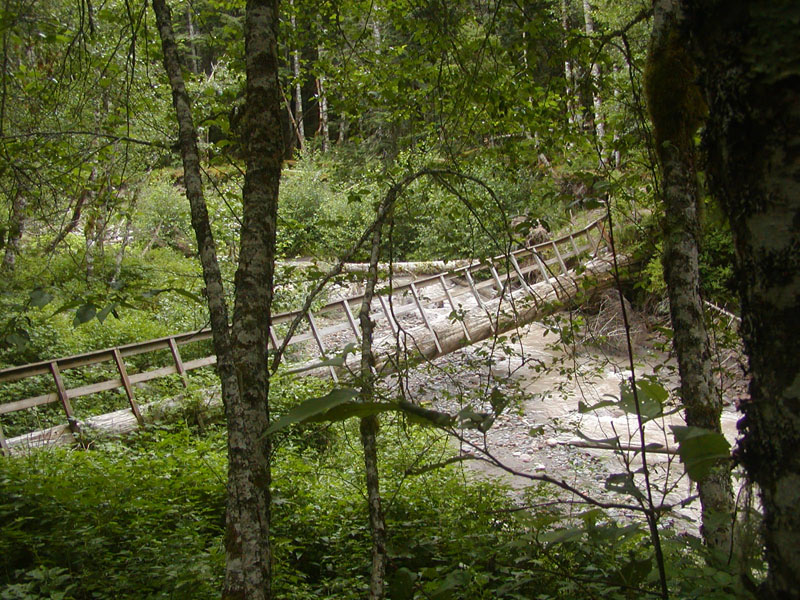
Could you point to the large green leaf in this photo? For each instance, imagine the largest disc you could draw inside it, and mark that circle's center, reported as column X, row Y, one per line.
column 40, row 298
column 348, row 410
column 84, row 314
column 651, row 395
column 700, row 449
column 313, row 407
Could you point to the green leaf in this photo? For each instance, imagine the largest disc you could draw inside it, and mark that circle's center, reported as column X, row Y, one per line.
column 18, row 338
column 187, row 294
column 453, row 580
column 40, row 298
column 700, row 449
column 111, row 308
column 559, row 536
column 312, row 407
column 426, row 416
column 349, row 410
column 612, row 442
column 651, row 395
column 401, row 584
column 84, row 314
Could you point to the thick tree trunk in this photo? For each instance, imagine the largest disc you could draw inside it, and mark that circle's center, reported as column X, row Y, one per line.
column 241, row 355
column 248, row 573
column 675, row 106
column 747, row 54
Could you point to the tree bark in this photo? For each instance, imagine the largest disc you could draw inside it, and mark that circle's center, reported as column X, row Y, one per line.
column 248, row 573
column 568, row 70
column 747, row 54
column 241, row 354
column 322, row 98
column 16, row 228
column 597, row 102
column 86, row 194
column 676, row 108
column 298, row 85
column 369, row 425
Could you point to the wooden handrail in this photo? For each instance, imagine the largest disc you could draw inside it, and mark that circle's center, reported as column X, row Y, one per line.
column 511, row 266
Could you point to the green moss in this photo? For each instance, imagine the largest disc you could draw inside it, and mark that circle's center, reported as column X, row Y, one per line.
column 676, row 105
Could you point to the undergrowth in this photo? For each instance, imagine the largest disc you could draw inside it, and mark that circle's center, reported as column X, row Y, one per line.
column 144, row 518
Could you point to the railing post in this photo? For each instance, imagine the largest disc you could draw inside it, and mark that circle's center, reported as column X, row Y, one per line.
column 4, row 449
column 415, row 294
column 389, row 315
column 318, row 338
column 574, row 245
column 453, row 306
column 560, row 259
column 63, row 397
column 351, row 319
column 176, row 356
column 126, row 383
column 272, row 338
column 540, row 264
column 501, row 289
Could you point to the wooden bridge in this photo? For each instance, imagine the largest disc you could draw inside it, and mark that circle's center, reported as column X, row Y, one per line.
column 425, row 318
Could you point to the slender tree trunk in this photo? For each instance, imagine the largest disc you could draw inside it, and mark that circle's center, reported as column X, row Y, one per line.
column 569, row 76
column 298, row 85
column 675, row 107
column 16, row 228
column 597, row 102
column 747, row 53
column 126, row 238
column 369, row 425
column 194, row 61
column 187, row 136
column 322, row 98
column 86, row 194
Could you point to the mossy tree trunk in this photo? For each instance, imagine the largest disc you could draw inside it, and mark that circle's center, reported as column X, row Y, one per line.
column 676, row 108
column 750, row 73
column 241, row 351
column 248, row 571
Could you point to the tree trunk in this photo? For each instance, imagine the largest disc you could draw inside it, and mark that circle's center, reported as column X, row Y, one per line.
column 194, row 60
column 86, row 194
column 748, row 60
column 16, row 228
column 675, row 107
column 322, row 98
column 568, row 71
column 369, row 425
column 248, row 572
column 597, row 102
column 244, row 382
column 298, row 86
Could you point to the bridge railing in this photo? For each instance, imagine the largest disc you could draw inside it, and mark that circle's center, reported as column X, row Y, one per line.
column 327, row 330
